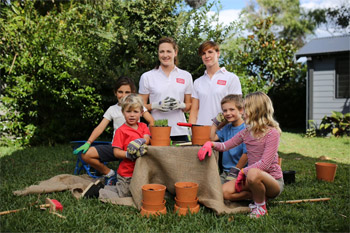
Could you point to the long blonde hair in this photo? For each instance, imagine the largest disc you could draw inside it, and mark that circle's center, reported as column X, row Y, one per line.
column 259, row 114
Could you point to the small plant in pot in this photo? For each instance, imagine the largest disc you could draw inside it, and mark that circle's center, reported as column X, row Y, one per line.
column 160, row 133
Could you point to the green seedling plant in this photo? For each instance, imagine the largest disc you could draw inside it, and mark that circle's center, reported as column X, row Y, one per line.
column 161, row 123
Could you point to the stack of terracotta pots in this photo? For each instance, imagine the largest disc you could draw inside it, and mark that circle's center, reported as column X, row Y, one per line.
column 186, row 198
column 153, row 203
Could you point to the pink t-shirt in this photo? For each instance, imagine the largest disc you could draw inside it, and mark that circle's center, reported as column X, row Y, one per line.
column 261, row 152
column 122, row 137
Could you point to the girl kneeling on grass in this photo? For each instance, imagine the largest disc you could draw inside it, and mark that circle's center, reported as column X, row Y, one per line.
column 263, row 177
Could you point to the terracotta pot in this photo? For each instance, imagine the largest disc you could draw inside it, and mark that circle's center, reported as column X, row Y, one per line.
column 149, row 213
column 153, row 194
column 153, row 207
column 160, row 136
column 186, row 204
column 186, row 191
column 280, row 162
column 200, row 134
column 326, row 171
column 183, row 211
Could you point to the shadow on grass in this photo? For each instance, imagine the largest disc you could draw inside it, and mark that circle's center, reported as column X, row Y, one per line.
column 22, row 168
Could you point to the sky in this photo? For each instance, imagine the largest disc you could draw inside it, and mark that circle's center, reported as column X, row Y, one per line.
column 232, row 8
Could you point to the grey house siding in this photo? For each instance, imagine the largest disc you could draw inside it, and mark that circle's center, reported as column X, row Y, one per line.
column 323, row 95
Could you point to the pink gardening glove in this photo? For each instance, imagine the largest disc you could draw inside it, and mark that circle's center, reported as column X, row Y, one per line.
column 240, row 181
column 206, row 149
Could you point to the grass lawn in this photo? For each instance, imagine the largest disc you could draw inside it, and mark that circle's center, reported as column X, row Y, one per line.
column 23, row 167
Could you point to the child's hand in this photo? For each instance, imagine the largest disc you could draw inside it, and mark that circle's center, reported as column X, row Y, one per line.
column 136, row 149
column 82, row 148
column 240, row 181
column 218, row 119
column 206, row 149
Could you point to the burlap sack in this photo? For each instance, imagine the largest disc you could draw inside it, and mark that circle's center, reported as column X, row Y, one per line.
column 168, row 165
column 162, row 165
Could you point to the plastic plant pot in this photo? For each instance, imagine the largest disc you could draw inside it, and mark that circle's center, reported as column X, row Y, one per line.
column 289, row 177
column 326, row 171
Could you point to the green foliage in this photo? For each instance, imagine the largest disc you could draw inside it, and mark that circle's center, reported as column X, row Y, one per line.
column 290, row 22
column 337, row 124
column 161, row 123
column 262, row 60
column 39, row 91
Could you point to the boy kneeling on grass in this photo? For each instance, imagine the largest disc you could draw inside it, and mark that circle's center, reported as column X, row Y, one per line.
column 129, row 143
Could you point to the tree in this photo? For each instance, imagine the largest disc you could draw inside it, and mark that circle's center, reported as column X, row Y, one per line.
column 335, row 20
column 290, row 21
column 261, row 59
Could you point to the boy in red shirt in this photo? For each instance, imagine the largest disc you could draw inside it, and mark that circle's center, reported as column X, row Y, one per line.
column 129, row 142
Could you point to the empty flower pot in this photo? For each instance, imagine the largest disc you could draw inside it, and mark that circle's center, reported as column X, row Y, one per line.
column 149, row 213
column 153, row 193
column 200, row 135
column 183, row 211
column 326, row 171
column 289, row 177
column 186, row 204
column 153, row 207
column 186, row 191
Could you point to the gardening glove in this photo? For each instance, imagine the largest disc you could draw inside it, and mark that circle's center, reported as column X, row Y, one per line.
column 218, row 119
column 163, row 105
column 206, row 149
column 134, row 147
column 82, row 148
column 233, row 173
column 177, row 104
column 240, row 181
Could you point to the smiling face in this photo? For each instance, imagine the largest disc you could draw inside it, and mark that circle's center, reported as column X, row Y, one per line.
column 210, row 57
column 232, row 114
column 132, row 116
column 166, row 54
column 122, row 91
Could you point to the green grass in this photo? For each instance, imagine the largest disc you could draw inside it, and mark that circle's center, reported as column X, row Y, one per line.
column 23, row 167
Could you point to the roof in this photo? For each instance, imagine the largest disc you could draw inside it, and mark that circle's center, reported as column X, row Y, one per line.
column 325, row 45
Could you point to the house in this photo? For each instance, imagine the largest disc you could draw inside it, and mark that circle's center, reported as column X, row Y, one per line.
column 328, row 79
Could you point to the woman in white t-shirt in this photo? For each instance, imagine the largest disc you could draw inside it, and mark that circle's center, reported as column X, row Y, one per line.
column 168, row 89
column 95, row 156
column 209, row 89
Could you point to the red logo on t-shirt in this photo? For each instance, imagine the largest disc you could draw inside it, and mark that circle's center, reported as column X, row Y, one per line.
column 180, row 80
column 221, row 82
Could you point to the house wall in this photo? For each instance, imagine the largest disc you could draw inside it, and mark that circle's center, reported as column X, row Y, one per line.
column 323, row 90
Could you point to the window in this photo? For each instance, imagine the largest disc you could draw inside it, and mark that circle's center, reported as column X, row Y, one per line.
column 342, row 81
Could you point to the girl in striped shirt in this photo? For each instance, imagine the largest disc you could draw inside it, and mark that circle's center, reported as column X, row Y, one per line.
column 263, row 177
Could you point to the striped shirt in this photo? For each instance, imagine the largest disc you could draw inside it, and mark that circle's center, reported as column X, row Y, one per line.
column 261, row 152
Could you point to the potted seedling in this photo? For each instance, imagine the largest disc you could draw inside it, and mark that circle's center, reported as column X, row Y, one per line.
column 160, row 133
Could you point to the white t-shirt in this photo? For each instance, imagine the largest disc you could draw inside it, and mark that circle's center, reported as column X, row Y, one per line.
column 159, row 86
column 210, row 92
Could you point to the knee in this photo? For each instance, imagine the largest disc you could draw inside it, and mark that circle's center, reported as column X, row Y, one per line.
column 86, row 156
column 254, row 176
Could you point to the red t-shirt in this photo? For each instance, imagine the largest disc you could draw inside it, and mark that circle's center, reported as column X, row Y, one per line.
column 122, row 137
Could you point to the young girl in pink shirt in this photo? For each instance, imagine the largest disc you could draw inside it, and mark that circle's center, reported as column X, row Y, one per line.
column 263, row 177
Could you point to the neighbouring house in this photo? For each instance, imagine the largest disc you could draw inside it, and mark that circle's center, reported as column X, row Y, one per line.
column 328, row 79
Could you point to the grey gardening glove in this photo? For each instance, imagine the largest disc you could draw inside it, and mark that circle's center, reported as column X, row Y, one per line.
column 233, row 173
column 82, row 148
column 136, row 148
column 163, row 105
column 218, row 119
column 177, row 105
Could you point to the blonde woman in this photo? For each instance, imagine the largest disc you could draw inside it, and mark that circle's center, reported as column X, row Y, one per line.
column 263, row 177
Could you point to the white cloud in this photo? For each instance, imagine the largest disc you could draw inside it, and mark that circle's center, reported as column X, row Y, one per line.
column 226, row 16
column 321, row 4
